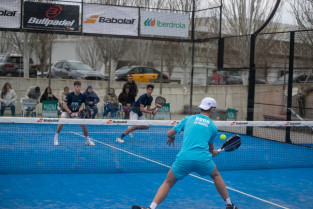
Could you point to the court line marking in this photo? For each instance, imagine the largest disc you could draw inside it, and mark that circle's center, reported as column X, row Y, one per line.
column 198, row 177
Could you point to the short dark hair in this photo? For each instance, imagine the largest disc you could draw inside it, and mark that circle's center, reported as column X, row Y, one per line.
column 150, row 86
column 209, row 110
column 37, row 89
column 77, row 83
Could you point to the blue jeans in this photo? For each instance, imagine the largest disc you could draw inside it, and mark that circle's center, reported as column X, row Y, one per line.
column 94, row 108
column 12, row 107
column 110, row 108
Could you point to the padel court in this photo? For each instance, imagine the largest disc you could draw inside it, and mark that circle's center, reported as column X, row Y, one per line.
column 35, row 174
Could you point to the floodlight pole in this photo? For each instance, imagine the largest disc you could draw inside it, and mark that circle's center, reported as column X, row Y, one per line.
column 192, row 53
column 251, row 87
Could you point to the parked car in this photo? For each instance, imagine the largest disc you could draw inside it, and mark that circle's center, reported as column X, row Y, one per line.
column 12, row 65
column 140, row 74
column 227, row 77
column 71, row 69
column 297, row 78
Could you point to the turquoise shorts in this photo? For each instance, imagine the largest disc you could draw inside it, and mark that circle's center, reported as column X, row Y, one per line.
column 182, row 168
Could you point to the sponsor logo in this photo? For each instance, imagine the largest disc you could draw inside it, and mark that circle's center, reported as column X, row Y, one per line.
column 152, row 22
column 239, row 123
column 48, row 22
column 149, row 22
column 109, row 121
column 93, row 19
column 7, row 13
column 121, row 121
column 292, row 123
column 47, row 120
column 53, row 11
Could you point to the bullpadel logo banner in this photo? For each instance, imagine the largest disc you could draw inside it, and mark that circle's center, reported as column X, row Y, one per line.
column 103, row 19
column 10, row 13
column 164, row 24
column 51, row 16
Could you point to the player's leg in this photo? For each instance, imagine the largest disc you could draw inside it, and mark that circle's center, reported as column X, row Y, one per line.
column 164, row 189
column 130, row 129
column 88, row 140
column 221, row 188
column 59, row 128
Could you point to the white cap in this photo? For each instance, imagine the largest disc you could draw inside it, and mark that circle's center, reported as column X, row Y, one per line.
column 207, row 103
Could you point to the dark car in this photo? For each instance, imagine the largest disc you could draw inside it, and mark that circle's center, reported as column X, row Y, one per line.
column 297, row 78
column 140, row 74
column 71, row 69
column 12, row 65
column 227, row 77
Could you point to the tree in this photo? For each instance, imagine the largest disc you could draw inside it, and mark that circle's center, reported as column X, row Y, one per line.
column 24, row 43
column 86, row 49
column 5, row 46
column 43, row 49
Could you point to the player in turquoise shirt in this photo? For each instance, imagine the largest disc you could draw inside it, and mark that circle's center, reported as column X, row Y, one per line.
column 195, row 155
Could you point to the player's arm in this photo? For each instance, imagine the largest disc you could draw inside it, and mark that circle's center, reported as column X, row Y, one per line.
column 143, row 109
column 65, row 107
column 214, row 152
column 171, row 137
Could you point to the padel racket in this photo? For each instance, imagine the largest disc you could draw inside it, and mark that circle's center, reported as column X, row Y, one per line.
column 160, row 101
column 85, row 114
column 231, row 144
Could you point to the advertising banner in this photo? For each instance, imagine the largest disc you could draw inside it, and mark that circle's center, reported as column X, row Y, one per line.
column 103, row 19
column 10, row 13
column 51, row 16
column 164, row 24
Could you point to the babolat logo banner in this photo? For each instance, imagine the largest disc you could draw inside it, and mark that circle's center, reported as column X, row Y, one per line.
column 10, row 13
column 164, row 24
column 104, row 19
column 51, row 16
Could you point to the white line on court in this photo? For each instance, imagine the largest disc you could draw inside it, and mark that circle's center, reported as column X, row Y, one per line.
column 198, row 177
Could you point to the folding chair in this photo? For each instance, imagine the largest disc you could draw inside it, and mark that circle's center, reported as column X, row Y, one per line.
column 109, row 115
column 29, row 106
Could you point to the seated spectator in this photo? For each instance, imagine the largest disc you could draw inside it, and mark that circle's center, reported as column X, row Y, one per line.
column 126, row 100
column 8, row 98
column 111, row 103
column 66, row 90
column 91, row 100
column 32, row 93
column 48, row 96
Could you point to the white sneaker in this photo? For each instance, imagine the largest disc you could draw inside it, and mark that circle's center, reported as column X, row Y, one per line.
column 89, row 142
column 56, row 141
column 131, row 135
column 119, row 140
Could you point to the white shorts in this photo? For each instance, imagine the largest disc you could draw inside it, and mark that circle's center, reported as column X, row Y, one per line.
column 67, row 115
column 134, row 116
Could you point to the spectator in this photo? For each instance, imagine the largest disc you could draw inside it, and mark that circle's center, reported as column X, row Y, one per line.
column 66, row 90
column 216, row 78
column 126, row 100
column 91, row 100
column 133, row 90
column 111, row 103
column 48, row 96
column 32, row 93
column 8, row 98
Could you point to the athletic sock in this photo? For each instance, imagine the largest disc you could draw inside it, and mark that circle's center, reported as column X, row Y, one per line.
column 122, row 135
column 153, row 205
column 227, row 201
column 56, row 135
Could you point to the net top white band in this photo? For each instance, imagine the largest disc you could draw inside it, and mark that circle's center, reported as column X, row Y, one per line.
column 146, row 122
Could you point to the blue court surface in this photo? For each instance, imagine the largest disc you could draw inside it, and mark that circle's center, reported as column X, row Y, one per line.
column 36, row 174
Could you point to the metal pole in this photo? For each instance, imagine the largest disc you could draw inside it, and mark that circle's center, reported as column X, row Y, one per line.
column 192, row 53
column 290, row 78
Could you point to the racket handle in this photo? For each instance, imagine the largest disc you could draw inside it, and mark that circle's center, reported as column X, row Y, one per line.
column 220, row 150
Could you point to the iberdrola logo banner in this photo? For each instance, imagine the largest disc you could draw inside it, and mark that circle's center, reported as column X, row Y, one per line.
column 164, row 24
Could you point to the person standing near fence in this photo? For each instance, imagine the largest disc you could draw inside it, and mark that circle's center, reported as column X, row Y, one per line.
column 8, row 98
column 126, row 100
column 133, row 89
